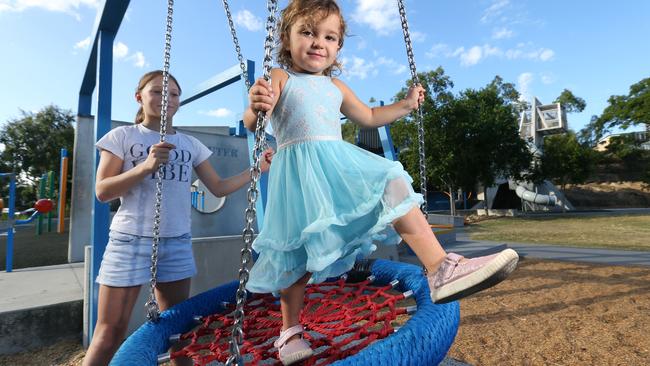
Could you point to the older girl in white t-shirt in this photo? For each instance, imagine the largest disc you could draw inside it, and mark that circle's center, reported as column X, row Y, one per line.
column 129, row 160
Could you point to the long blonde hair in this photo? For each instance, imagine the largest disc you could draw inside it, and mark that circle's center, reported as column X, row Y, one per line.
column 314, row 11
column 144, row 80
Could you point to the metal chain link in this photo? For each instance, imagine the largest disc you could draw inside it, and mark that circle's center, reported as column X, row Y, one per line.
column 235, row 41
column 153, row 311
column 419, row 116
column 237, row 336
column 240, row 57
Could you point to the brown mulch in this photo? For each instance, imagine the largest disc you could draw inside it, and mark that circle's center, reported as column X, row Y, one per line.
column 559, row 313
column 547, row 313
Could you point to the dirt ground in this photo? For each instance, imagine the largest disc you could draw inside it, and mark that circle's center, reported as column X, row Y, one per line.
column 609, row 195
column 547, row 313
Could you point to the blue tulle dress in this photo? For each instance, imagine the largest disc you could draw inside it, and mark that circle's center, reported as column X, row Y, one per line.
column 328, row 200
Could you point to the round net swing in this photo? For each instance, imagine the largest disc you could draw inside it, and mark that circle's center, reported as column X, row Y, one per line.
column 348, row 323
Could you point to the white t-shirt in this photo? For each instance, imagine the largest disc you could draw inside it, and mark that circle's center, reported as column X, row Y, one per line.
column 136, row 212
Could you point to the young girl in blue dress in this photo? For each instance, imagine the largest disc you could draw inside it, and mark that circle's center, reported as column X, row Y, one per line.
column 328, row 199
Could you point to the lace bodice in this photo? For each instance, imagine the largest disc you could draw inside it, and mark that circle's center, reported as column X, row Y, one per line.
column 308, row 109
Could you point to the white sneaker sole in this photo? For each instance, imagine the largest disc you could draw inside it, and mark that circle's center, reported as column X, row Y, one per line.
column 487, row 276
column 296, row 357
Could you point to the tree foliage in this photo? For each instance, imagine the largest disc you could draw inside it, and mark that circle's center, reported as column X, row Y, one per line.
column 570, row 102
column 33, row 142
column 565, row 160
column 590, row 134
column 470, row 138
column 349, row 130
column 629, row 110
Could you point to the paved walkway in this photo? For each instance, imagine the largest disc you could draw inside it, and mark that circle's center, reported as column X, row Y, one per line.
column 464, row 245
column 35, row 287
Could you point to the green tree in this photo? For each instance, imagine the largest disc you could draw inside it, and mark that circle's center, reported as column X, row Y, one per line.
column 629, row 110
column 349, row 130
column 33, row 143
column 565, row 160
column 627, row 149
column 570, row 102
column 405, row 131
column 591, row 133
column 469, row 139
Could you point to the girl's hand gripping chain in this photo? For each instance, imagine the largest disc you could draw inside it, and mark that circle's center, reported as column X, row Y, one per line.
column 261, row 97
column 158, row 154
column 415, row 96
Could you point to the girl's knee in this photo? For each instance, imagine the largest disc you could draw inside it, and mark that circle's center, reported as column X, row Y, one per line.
column 109, row 336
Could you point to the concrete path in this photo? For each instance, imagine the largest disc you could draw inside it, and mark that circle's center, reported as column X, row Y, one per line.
column 464, row 246
column 41, row 286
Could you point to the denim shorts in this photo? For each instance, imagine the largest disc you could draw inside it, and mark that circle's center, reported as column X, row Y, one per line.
column 127, row 260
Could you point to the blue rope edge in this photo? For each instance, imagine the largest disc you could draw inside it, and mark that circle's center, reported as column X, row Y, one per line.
column 424, row 339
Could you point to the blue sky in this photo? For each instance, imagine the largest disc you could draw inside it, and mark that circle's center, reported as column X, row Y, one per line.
column 594, row 48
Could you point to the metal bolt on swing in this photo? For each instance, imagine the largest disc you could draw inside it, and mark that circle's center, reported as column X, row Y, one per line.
column 163, row 357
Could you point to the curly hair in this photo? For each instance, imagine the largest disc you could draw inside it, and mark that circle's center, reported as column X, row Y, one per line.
column 314, row 11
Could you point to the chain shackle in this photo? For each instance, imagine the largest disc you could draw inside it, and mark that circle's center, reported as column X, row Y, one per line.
column 419, row 114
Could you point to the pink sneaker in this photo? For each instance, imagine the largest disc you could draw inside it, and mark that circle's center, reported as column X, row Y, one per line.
column 459, row 277
column 295, row 350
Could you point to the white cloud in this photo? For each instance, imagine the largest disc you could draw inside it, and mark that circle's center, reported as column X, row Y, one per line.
column 219, row 112
column 358, row 67
column 381, row 15
column 248, row 20
column 546, row 54
column 476, row 54
column 70, row 7
column 439, row 50
column 471, row 56
column 494, row 11
column 502, row 33
column 548, row 78
column 418, row 36
column 524, row 80
column 540, row 54
column 120, row 50
column 395, row 67
column 138, row 60
column 83, row 44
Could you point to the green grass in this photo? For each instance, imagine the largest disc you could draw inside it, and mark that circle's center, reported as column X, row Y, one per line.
column 628, row 232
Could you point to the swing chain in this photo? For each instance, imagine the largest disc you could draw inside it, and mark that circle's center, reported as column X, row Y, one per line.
column 237, row 336
column 240, row 57
column 235, row 41
column 153, row 311
column 419, row 115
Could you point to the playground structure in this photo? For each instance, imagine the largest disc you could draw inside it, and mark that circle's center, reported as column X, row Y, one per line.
column 42, row 206
column 540, row 121
column 46, row 191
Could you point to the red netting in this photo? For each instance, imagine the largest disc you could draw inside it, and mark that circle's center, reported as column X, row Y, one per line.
column 340, row 319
